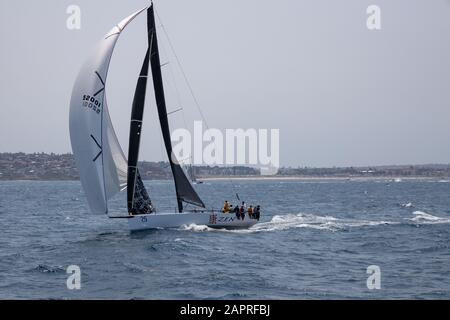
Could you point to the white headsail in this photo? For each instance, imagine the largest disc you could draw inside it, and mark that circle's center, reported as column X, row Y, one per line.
column 99, row 158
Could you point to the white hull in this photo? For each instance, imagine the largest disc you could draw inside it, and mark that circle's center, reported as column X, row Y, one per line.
column 175, row 220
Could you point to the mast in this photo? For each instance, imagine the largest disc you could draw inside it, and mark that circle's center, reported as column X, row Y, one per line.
column 184, row 190
column 138, row 200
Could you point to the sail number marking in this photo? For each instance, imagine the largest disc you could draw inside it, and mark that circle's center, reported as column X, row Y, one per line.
column 92, row 103
column 225, row 219
column 214, row 219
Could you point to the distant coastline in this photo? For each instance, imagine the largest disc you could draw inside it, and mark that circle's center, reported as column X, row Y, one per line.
column 54, row 167
column 322, row 178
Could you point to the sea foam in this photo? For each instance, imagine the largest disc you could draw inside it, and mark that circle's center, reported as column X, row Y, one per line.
column 426, row 218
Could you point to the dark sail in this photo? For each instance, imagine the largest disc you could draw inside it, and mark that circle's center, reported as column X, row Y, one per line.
column 141, row 202
column 137, row 197
column 185, row 191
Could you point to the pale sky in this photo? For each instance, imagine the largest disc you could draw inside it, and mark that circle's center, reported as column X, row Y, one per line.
column 340, row 94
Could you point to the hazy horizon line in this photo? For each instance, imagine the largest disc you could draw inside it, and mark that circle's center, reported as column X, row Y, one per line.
column 253, row 166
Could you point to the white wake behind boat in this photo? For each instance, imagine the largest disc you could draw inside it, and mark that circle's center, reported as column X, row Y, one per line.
column 104, row 170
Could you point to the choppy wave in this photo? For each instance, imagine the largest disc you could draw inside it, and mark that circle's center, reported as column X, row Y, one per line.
column 196, row 227
column 406, row 205
column 136, row 268
column 426, row 218
column 48, row 269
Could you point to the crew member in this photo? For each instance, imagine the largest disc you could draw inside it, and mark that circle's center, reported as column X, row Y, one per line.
column 236, row 212
column 242, row 212
column 257, row 212
column 226, row 207
column 250, row 212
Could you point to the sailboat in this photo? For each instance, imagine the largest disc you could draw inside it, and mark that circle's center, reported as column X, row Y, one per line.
column 193, row 175
column 104, row 170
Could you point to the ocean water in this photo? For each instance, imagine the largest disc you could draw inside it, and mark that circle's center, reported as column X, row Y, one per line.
column 315, row 241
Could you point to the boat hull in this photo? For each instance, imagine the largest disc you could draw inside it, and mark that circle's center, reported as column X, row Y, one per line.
column 175, row 220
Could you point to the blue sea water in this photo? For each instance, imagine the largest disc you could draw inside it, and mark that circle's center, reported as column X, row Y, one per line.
column 315, row 241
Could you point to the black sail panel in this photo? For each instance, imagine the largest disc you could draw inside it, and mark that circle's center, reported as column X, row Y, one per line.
column 141, row 201
column 185, row 191
column 138, row 199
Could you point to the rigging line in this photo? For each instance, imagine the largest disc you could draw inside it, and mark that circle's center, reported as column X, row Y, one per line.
column 177, row 91
column 178, row 97
column 182, row 71
column 175, row 86
column 174, row 111
column 187, row 81
column 167, row 86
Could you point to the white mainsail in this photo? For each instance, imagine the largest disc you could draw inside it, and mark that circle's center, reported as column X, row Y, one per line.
column 99, row 158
